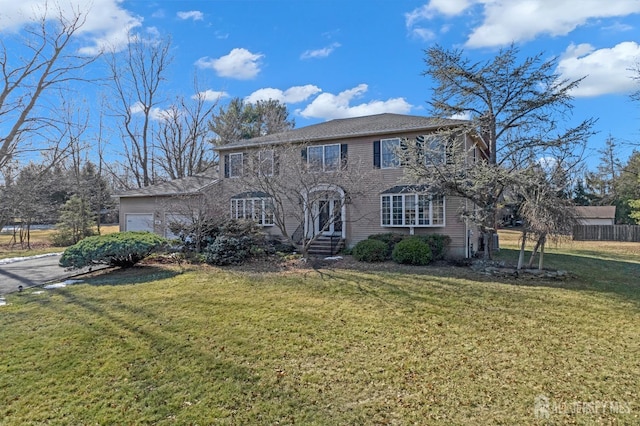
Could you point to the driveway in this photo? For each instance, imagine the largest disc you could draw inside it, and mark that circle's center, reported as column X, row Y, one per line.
column 32, row 272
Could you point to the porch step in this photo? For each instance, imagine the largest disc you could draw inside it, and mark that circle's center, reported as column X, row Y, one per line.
column 324, row 246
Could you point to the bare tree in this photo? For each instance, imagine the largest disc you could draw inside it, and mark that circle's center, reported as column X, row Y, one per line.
column 546, row 211
column 296, row 195
column 182, row 136
column 51, row 62
column 136, row 76
column 513, row 107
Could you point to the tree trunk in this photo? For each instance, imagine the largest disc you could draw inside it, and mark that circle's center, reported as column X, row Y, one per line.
column 522, row 246
column 541, row 259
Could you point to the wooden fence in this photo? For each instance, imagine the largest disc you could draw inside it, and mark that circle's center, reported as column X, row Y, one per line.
column 606, row 233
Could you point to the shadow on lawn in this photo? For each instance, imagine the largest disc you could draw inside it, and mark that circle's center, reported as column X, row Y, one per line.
column 138, row 274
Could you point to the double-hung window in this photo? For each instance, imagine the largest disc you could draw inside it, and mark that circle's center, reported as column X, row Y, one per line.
column 389, row 153
column 266, row 162
column 420, row 210
column 325, row 158
column 233, row 165
column 260, row 210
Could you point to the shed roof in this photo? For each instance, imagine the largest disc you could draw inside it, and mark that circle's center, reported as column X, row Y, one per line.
column 371, row 125
column 596, row 212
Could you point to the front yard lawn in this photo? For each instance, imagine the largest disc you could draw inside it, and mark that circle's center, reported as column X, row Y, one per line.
column 412, row 345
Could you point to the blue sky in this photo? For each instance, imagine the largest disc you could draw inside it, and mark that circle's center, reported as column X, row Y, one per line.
column 334, row 59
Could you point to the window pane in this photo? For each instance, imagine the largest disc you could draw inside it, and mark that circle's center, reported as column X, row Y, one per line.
column 435, row 150
column 331, row 157
column 409, row 209
column 265, row 159
column 397, row 210
column 386, row 210
column 388, row 158
column 423, row 210
column 235, row 165
column 314, row 158
column 268, row 212
column 437, row 207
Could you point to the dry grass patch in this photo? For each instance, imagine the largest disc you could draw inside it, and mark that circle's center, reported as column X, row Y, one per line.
column 329, row 346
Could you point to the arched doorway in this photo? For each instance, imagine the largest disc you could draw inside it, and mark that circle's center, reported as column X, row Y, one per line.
column 326, row 211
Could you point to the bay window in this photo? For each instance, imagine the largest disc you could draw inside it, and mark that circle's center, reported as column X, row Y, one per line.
column 420, row 210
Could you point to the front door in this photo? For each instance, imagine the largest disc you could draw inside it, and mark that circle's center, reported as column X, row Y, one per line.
column 328, row 217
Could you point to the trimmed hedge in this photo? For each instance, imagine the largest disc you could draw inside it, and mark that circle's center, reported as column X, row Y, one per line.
column 437, row 242
column 370, row 251
column 412, row 251
column 123, row 249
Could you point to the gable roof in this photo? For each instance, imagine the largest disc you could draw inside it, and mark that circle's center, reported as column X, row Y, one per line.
column 596, row 212
column 370, row 125
column 183, row 186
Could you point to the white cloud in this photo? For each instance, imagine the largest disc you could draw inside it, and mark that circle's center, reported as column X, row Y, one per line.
column 320, row 53
column 155, row 113
column 606, row 70
column 292, row 95
column 196, row 15
column 329, row 106
column 414, row 19
column 239, row 64
column 107, row 22
column 522, row 20
column 210, row 95
column 507, row 21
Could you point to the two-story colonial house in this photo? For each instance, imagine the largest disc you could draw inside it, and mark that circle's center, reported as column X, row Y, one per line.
column 341, row 180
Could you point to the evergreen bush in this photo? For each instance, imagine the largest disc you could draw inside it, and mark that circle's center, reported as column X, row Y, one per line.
column 390, row 239
column 123, row 249
column 412, row 251
column 370, row 250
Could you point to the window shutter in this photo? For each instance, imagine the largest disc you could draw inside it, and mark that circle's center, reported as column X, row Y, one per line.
column 376, row 154
column 304, row 154
column 226, row 165
column 343, row 155
column 276, row 163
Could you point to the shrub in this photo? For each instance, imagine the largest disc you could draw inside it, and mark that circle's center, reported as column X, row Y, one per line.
column 123, row 249
column 370, row 250
column 390, row 239
column 226, row 250
column 412, row 251
column 438, row 244
column 237, row 241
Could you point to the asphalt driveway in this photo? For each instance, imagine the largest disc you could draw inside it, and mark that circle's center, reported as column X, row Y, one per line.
column 31, row 272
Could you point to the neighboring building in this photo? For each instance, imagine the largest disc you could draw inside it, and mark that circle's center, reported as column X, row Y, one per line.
column 596, row 215
column 154, row 207
column 362, row 150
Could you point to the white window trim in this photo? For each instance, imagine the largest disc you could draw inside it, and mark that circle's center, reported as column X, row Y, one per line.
column 324, row 156
column 396, row 160
column 262, row 220
column 240, row 154
column 408, row 225
column 429, row 141
column 266, row 156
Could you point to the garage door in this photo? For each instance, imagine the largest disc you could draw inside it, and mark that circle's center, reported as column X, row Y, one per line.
column 139, row 222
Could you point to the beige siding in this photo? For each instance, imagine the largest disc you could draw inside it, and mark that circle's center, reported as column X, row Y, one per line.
column 363, row 212
column 162, row 207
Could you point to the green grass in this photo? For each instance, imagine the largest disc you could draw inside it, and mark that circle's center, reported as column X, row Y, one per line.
column 40, row 242
column 399, row 346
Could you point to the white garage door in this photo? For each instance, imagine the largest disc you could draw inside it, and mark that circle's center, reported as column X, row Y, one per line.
column 139, row 222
